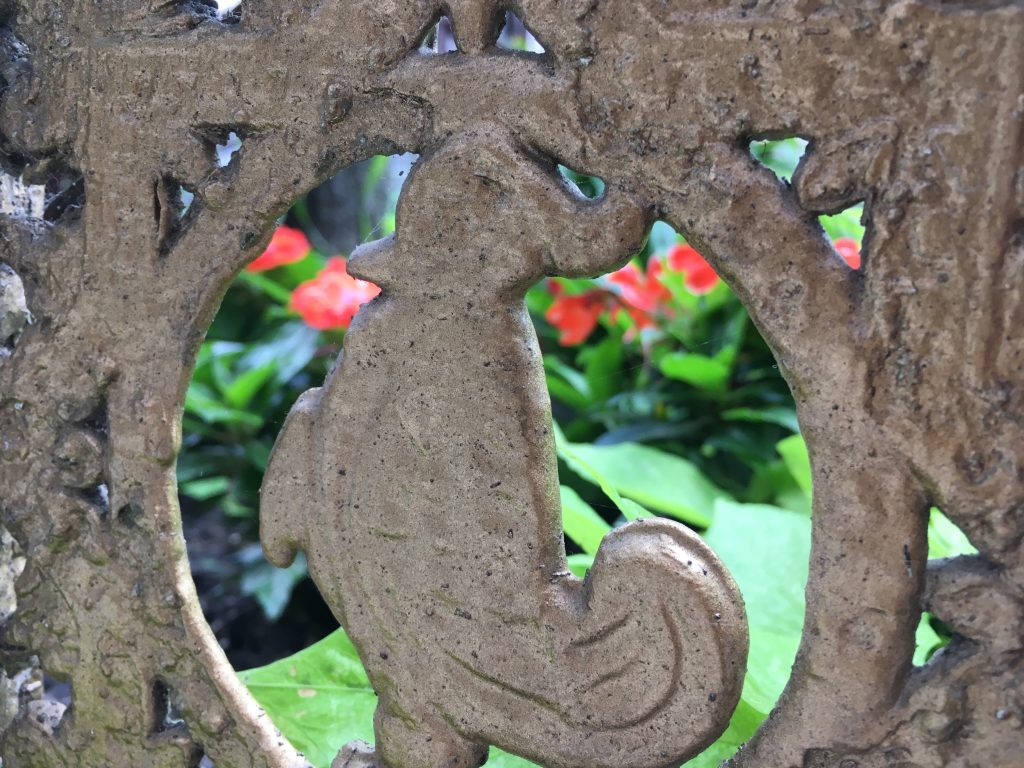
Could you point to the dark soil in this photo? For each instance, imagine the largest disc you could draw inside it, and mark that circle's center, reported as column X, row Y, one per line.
column 248, row 637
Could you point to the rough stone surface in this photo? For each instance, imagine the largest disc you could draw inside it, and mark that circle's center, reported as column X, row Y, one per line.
column 907, row 374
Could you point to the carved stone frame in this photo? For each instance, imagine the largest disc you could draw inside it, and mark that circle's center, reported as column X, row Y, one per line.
column 907, row 374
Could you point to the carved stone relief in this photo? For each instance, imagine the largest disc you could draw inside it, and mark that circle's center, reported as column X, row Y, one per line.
column 422, row 483
column 907, row 374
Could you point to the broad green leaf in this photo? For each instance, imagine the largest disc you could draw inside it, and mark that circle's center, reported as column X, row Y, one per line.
column 772, row 483
column 319, row 698
column 496, row 758
column 845, row 223
column 928, row 641
column 650, row 478
column 580, row 564
column 793, row 451
column 205, row 488
column 766, row 549
column 198, row 401
column 239, row 393
column 573, row 377
column 559, row 389
column 945, row 539
column 602, row 366
column 565, row 383
column 290, row 349
column 782, row 415
column 258, row 453
column 265, row 285
column 566, row 451
column 745, row 721
column 704, row 372
column 223, row 361
column 235, row 508
column 581, row 523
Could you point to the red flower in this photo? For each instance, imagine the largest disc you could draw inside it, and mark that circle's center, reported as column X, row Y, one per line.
column 644, row 292
column 849, row 250
column 286, row 246
column 332, row 298
column 575, row 316
column 700, row 277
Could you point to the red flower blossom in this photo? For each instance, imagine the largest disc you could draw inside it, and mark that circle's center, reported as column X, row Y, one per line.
column 332, row 298
column 700, row 277
column 286, row 247
column 575, row 316
column 849, row 250
column 638, row 290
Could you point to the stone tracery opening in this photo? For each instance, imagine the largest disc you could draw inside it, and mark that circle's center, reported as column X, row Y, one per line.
column 516, row 36
column 846, row 227
column 258, row 357
column 439, row 38
column 593, row 498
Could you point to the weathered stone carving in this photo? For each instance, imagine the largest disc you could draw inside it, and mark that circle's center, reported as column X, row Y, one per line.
column 907, row 374
column 421, row 481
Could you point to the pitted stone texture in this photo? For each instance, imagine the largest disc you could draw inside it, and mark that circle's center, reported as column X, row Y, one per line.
column 907, row 373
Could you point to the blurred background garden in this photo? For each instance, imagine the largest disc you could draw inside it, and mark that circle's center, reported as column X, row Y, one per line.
column 666, row 400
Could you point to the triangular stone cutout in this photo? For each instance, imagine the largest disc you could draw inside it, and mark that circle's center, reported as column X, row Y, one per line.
column 515, row 36
column 439, row 38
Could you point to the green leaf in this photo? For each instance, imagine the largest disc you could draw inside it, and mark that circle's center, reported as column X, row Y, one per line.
column 793, row 451
column 205, row 488
column 572, row 377
column 319, row 698
column 559, row 389
column 782, row 155
column 928, row 641
column 704, row 372
column 257, row 453
column 265, row 285
column 239, row 393
column 272, row 587
column 566, row 451
column 651, row 479
column 208, row 408
column 945, row 539
column 234, row 508
column 772, row 483
column 602, row 366
column 581, row 523
column 845, row 223
column 766, row 549
column 498, row 759
column 580, row 564
column 291, row 348
column 782, row 415
column 745, row 721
